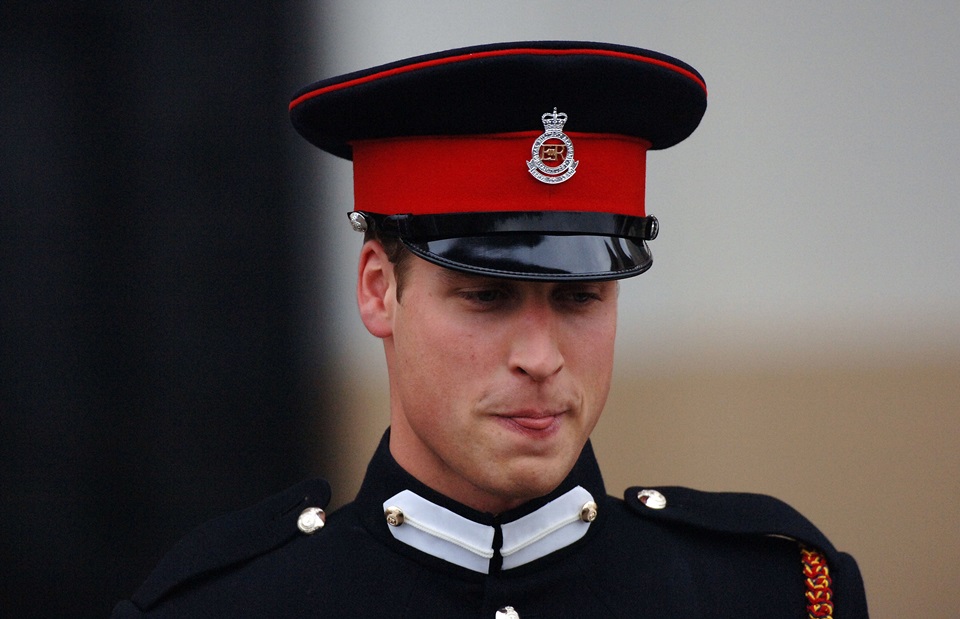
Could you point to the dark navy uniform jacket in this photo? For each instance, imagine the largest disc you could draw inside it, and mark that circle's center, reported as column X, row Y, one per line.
column 666, row 552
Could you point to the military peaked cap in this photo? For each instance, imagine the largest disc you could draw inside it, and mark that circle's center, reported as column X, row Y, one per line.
column 519, row 160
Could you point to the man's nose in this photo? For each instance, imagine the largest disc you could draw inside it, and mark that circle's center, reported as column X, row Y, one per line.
column 535, row 350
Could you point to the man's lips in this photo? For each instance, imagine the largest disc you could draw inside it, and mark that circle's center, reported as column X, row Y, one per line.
column 534, row 423
column 538, row 422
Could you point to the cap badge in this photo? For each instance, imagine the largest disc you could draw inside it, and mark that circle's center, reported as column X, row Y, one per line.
column 552, row 152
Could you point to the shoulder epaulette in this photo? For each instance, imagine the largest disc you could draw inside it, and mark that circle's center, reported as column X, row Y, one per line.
column 738, row 513
column 726, row 512
column 236, row 537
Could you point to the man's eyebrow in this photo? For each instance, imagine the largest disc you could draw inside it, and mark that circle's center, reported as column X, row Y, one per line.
column 454, row 277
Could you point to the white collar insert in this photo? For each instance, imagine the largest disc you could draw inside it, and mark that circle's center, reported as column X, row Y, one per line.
column 442, row 533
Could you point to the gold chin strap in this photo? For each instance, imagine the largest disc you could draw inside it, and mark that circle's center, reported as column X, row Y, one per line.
column 817, row 580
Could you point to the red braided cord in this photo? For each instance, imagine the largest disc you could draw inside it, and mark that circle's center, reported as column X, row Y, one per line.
column 816, row 576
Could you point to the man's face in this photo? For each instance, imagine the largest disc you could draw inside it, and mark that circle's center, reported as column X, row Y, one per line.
column 496, row 384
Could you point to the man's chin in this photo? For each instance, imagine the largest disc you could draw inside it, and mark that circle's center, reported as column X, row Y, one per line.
column 536, row 477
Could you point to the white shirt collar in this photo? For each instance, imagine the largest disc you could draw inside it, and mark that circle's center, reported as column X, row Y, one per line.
column 442, row 533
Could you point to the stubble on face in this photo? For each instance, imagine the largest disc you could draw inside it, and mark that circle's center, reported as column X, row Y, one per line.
column 496, row 384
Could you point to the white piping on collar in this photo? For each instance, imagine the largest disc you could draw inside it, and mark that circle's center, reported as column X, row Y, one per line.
column 554, row 526
column 444, row 534
column 438, row 531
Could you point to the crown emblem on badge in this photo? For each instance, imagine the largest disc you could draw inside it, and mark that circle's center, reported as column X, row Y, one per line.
column 553, row 123
column 552, row 159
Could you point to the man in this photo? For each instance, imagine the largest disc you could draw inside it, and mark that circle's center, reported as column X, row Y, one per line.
column 501, row 193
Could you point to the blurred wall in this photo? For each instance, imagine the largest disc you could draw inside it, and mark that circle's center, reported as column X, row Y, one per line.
column 161, row 353
column 799, row 334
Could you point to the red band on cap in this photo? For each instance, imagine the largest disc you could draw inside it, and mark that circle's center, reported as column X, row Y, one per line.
column 430, row 175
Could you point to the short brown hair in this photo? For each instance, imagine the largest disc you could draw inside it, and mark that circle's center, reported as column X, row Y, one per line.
column 397, row 253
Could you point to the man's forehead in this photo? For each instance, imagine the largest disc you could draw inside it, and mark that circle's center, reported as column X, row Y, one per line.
column 455, row 278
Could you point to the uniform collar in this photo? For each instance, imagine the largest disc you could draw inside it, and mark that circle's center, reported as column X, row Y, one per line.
column 434, row 525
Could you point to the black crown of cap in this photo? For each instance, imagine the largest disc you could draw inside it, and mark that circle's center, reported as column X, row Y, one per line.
column 506, row 87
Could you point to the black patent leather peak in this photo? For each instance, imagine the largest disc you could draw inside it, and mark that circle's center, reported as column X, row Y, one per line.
column 527, row 245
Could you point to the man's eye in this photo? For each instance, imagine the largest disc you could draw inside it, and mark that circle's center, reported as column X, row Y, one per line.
column 486, row 295
column 579, row 297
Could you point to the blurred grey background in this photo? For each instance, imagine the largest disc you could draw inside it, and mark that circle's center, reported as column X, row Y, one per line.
column 177, row 322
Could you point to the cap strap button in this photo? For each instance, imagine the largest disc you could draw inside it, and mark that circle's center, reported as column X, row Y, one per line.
column 358, row 221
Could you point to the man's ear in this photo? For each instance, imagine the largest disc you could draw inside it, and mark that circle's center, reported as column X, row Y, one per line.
column 376, row 290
